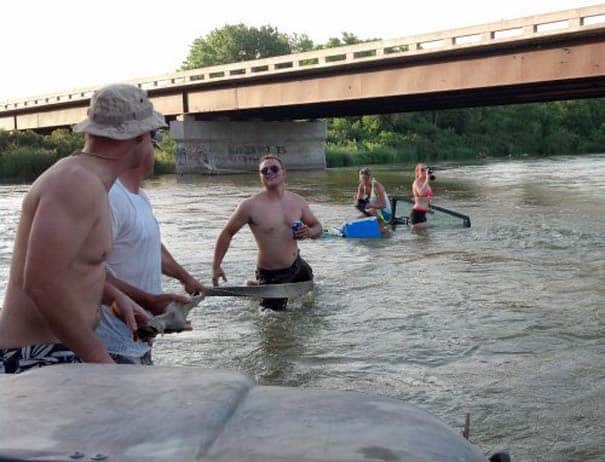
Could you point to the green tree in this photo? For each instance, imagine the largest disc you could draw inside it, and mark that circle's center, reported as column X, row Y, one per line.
column 346, row 38
column 300, row 43
column 235, row 43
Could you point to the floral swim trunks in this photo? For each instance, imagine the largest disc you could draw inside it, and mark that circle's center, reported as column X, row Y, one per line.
column 16, row 360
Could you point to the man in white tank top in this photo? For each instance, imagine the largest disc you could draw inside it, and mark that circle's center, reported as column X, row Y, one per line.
column 136, row 264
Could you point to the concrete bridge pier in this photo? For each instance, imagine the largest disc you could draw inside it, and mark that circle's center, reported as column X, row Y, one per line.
column 218, row 147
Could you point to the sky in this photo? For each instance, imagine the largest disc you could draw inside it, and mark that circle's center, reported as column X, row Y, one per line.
column 51, row 46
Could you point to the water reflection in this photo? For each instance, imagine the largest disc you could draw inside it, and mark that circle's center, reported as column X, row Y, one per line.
column 283, row 340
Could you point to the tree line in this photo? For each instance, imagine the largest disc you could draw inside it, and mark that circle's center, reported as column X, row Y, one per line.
column 535, row 129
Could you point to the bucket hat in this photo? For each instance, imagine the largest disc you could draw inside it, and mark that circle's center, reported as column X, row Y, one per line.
column 120, row 112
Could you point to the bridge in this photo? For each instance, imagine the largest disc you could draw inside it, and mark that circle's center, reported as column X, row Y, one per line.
column 225, row 116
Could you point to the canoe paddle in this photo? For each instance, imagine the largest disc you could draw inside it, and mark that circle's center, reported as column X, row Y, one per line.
column 466, row 221
column 287, row 290
column 175, row 317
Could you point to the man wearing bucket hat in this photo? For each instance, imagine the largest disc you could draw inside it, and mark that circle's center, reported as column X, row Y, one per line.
column 57, row 276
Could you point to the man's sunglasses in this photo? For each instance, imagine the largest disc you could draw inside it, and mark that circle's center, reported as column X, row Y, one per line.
column 265, row 170
column 155, row 136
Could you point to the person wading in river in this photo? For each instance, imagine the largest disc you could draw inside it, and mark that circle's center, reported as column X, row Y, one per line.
column 57, row 274
column 270, row 215
column 137, row 263
column 422, row 193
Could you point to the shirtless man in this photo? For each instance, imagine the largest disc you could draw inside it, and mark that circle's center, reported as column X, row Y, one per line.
column 57, row 272
column 270, row 215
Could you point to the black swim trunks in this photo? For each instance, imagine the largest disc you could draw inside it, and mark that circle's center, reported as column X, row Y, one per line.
column 16, row 360
column 299, row 271
column 417, row 216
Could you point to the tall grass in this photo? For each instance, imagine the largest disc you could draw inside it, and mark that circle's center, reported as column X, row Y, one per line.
column 368, row 153
column 417, row 149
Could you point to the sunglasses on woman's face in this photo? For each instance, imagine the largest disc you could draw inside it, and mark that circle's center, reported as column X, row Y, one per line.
column 265, row 170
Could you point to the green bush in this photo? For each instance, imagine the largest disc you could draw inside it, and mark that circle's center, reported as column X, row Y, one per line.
column 339, row 156
column 66, row 142
column 25, row 155
column 27, row 138
column 165, row 155
column 164, row 163
column 25, row 163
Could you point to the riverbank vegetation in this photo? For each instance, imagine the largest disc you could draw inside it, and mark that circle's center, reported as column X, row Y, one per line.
column 536, row 129
column 24, row 155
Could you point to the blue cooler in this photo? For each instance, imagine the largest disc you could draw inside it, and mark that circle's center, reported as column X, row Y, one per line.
column 362, row 228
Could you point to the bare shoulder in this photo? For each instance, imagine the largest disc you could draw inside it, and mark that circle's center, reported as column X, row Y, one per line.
column 246, row 208
column 292, row 196
column 251, row 201
column 70, row 183
column 259, row 199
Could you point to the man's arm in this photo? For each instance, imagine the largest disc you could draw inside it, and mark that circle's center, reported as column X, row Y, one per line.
column 129, row 311
column 60, row 225
column 171, row 268
column 313, row 228
column 154, row 303
column 240, row 217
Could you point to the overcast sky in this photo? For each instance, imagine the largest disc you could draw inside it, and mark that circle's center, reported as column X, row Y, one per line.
column 57, row 45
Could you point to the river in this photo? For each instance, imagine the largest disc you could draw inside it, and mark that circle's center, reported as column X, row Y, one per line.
column 504, row 320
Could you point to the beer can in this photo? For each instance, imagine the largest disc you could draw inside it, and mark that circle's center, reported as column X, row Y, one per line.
column 295, row 227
